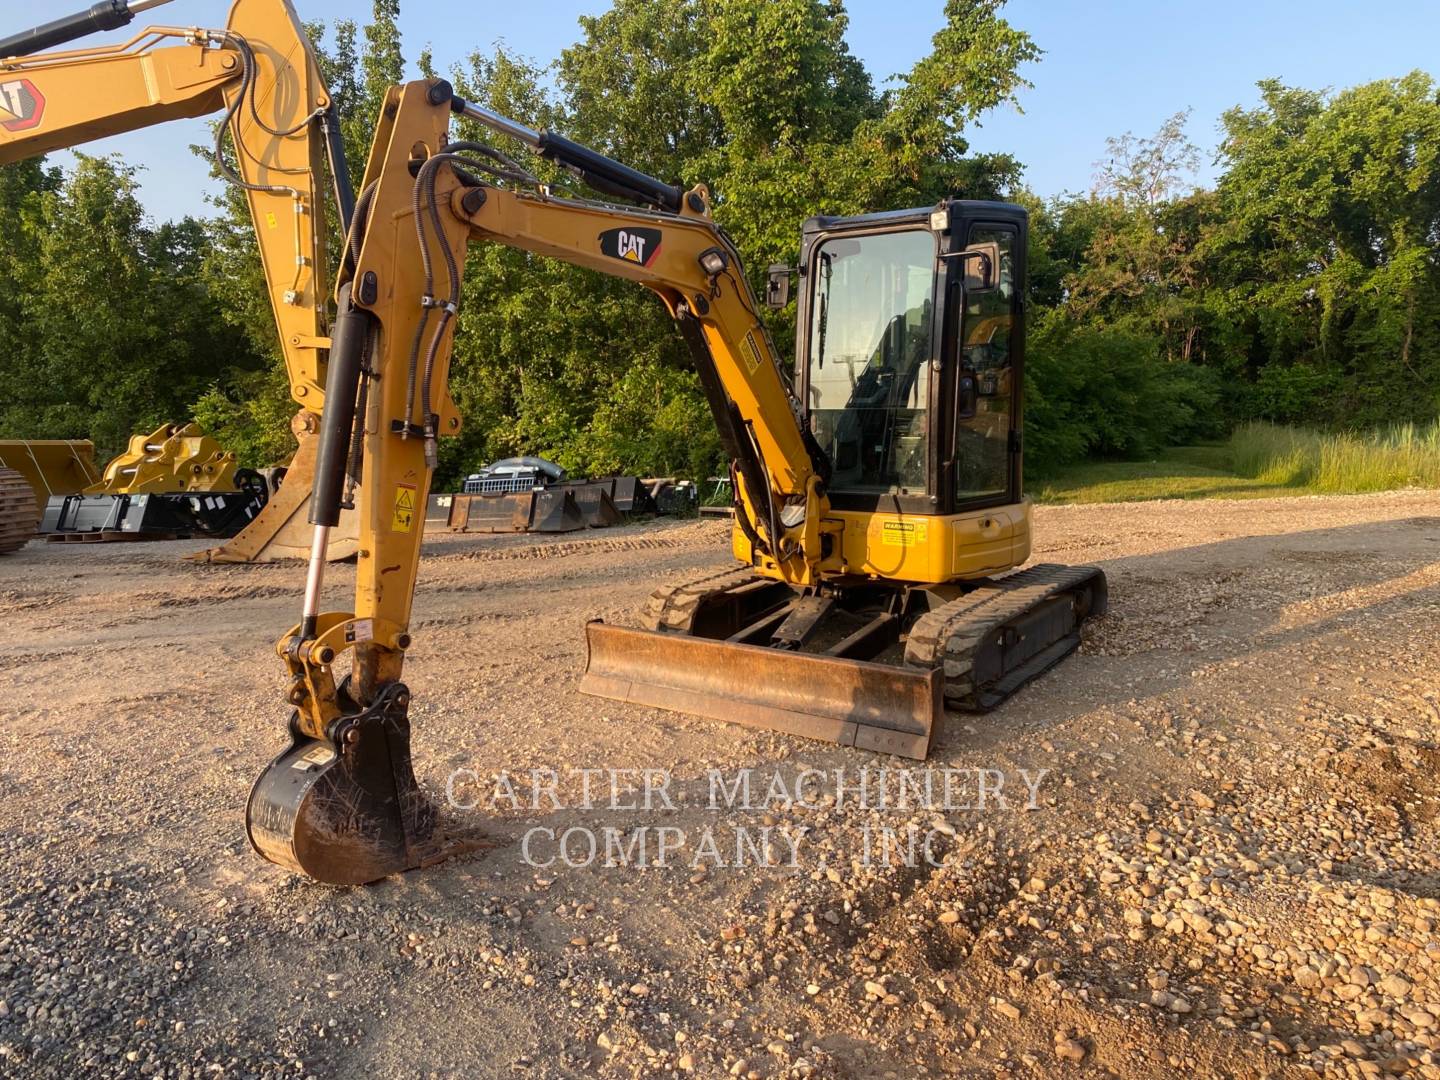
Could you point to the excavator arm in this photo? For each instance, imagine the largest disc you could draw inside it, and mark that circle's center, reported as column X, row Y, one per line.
column 260, row 73
column 423, row 207
column 318, row 808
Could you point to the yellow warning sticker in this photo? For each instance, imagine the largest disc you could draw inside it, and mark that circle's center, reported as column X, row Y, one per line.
column 403, row 520
column 902, row 533
column 750, row 352
column 272, row 220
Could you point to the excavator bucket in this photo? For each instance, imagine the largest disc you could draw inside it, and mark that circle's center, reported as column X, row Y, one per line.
column 51, row 466
column 880, row 707
column 556, row 511
column 541, row 510
column 282, row 529
column 596, row 504
column 346, row 810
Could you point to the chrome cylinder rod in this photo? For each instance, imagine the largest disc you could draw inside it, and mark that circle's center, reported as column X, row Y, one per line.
column 503, row 124
column 314, row 581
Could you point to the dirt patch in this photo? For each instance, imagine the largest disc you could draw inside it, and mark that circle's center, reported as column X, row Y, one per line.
column 1228, row 867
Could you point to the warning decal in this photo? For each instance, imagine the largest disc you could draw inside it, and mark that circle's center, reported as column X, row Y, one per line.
column 403, row 519
column 750, row 351
column 313, row 758
column 902, row 533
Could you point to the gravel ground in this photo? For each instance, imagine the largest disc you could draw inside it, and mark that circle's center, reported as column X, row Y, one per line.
column 1230, row 868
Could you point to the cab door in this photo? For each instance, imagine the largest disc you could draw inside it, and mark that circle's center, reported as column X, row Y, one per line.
column 985, row 358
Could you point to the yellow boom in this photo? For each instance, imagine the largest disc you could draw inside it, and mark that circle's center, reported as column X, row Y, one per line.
column 261, row 73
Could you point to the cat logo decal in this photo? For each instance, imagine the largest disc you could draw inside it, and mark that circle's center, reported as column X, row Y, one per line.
column 21, row 105
column 633, row 245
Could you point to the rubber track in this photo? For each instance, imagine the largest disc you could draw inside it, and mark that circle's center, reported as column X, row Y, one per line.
column 672, row 608
column 949, row 636
column 18, row 516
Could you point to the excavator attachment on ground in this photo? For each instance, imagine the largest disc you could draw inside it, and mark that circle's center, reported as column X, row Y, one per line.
column 32, row 471
column 282, row 529
column 175, row 482
column 51, row 466
column 540, row 510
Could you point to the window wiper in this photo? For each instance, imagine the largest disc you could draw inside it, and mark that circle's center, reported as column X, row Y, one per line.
column 824, row 313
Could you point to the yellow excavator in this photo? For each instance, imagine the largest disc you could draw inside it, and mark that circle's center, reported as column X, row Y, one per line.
column 878, row 498
column 878, row 505
column 260, row 74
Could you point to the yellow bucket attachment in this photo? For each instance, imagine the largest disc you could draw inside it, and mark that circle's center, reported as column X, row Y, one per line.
column 282, row 529
column 51, row 466
column 888, row 709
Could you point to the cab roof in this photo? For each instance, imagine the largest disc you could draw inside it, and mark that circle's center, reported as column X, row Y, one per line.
column 964, row 207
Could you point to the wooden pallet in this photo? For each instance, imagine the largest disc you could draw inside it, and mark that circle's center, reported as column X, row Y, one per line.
column 107, row 536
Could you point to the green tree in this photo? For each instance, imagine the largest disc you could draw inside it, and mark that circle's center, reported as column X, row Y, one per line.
column 22, row 188
column 117, row 331
column 761, row 100
column 1146, row 171
column 1332, row 207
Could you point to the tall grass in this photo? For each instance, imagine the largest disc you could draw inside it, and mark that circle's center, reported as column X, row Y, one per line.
column 1405, row 455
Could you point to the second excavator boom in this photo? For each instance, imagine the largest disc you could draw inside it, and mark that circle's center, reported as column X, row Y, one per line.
column 260, row 74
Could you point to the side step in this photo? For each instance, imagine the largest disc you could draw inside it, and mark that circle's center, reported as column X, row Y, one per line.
column 880, row 707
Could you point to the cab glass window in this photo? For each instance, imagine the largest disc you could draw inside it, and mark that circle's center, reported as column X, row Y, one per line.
column 870, row 351
column 982, row 462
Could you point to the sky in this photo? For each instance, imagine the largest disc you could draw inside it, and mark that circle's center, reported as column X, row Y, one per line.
column 1109, row 66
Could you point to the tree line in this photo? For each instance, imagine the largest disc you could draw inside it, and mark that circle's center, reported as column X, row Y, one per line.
column 1301, row 286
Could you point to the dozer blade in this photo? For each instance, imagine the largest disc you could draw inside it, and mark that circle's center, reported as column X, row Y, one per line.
column 282, row 529
column 892, row 710
column 346, row 810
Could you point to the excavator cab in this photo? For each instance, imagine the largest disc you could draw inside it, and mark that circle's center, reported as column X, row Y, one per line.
column 910, row 349
column 909, row 346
